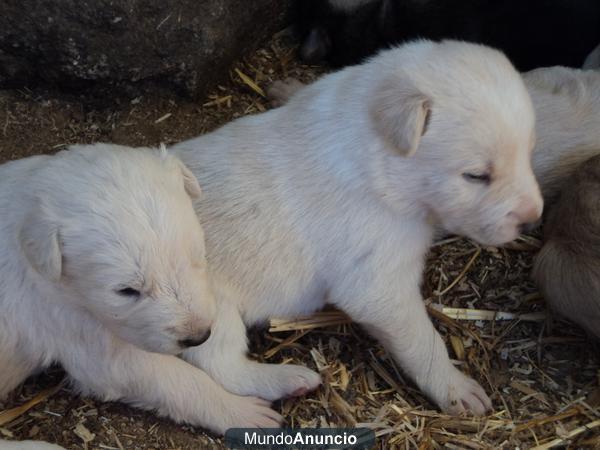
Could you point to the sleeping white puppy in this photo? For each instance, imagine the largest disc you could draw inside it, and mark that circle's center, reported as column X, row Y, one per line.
column 567, row 109
column 103, row 270
column 335, row 196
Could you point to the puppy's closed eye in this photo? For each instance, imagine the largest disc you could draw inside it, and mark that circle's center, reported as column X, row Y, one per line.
column 129, row 292
column 475, row 177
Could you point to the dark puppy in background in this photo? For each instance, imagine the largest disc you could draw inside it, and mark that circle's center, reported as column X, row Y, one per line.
column 342, row 32
column 533, row 33
column 567, row 269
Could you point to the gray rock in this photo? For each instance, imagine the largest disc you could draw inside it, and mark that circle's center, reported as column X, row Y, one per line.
column 79, row 43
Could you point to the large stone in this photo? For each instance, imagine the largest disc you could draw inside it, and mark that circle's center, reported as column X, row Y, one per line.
column 80, row 43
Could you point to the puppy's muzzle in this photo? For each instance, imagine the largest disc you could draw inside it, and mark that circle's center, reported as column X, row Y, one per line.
column 194, row 341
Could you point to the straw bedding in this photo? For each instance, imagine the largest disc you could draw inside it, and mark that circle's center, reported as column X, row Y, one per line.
column 542, row 373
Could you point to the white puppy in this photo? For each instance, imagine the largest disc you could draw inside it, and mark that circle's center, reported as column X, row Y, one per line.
column 567, row 109
column 335, row 196
column 102, row 269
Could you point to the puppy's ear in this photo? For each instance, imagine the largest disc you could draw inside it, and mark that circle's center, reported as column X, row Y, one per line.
column 190, row 182
column 400, row 114
column 40, row 243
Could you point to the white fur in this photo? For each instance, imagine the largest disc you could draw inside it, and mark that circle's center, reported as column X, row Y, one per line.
column 335, row 196
column 27, row 445
column 567, row 109
column 593, row 59
column 74, row 229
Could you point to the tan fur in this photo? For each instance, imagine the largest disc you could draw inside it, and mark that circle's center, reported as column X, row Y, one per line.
column 567, row 269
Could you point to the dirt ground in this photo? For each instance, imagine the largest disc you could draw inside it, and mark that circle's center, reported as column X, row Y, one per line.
column 543, row 374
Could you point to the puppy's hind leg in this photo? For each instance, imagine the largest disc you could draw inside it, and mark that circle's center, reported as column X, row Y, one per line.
column 224, row 358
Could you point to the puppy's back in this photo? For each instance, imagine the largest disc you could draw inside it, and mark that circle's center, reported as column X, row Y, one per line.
column 567, row 105
column 567, row 269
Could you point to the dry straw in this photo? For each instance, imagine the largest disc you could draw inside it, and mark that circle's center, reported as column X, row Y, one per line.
column 541, row 373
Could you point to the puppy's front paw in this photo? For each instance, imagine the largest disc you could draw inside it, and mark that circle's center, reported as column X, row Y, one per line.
column 465, row 395
column 246, row 412
column 297, row 380
column 275, row 381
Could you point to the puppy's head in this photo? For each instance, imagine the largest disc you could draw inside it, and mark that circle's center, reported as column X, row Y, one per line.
column 116, row 229
column 458, row 122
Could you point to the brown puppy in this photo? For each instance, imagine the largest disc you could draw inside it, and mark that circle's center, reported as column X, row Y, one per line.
column 567, row 269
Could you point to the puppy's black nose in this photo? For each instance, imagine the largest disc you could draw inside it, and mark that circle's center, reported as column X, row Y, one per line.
column 525, row 228
column 194, row 341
